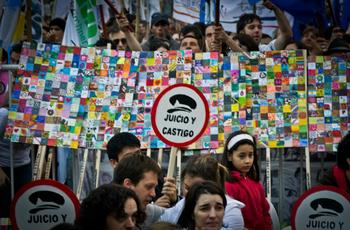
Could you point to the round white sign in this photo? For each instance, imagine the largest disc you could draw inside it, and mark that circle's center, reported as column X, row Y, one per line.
column 322, row 207
column 180, row 115
column 43, row 204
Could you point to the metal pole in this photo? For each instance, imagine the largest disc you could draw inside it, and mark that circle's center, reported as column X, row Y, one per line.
column 11, row 145
column 9, row 67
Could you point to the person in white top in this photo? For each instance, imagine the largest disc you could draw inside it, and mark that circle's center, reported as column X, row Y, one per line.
column 201, row 168
column 251, row 25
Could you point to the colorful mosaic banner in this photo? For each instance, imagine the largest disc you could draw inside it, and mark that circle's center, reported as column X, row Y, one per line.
column 267, row 96
column 81, row 97
column 329, row 102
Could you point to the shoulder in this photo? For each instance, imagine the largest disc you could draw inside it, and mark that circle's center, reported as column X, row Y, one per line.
column 268, row 47
column 232, row 203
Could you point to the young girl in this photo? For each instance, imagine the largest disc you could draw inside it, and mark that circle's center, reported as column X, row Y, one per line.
column 240, row 157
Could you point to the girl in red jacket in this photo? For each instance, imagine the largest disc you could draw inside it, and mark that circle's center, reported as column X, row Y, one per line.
column 240, row 157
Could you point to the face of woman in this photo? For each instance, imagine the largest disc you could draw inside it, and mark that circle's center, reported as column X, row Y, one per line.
column 209, row 212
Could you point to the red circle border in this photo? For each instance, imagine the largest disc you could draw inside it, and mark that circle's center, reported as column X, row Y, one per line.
column 32, row 184
column 314, row 190
column 154, row 109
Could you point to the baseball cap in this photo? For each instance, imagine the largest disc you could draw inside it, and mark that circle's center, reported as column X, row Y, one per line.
column 159, row 17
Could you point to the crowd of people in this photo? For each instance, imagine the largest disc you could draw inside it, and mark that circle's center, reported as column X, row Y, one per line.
column 226, row 195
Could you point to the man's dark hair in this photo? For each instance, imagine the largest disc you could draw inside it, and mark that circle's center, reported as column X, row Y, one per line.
column 119, row 141
column 102, row 42
column 156, row 43
column 192, row 29
column 245, row 19
column 61, row 23
column 17, row 47
column 343, row 152
column 108, row 199
column 4, row 57
column 134, row 167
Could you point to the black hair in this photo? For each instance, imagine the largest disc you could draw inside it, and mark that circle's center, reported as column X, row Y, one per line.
column 106, row 200
column 161, row 225
column 197, row 34
column 134, row 167
column 343, row 152
column 119, row 141
column 206, row 167
column 186, row 219
column 4, row 57
column 254, row 172
column 102, row 42
column 247, row 41
column 61, row 23
column 156, row 43
column 245, row 19
column 17, row 47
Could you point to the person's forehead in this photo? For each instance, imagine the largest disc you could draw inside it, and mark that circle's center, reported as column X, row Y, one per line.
column 254, row 22
column 209, row 29
column 55, row 27
column 116, row 35
column 189, row 40
column 149, row 177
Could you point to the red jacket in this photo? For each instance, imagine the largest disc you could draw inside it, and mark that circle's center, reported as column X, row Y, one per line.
column 251, row 193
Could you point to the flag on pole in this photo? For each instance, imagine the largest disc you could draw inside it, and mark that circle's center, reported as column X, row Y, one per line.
column 9, row 21
column 37, row 18
column 70, row 37
column 85, row 21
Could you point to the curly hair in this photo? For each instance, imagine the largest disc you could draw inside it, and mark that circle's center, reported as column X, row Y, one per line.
column 106, row 200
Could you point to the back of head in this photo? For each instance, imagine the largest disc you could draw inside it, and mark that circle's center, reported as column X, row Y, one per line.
column 245, row 19
column 108, row 199
column 186, row 219
column 163, row 226
column 119, row 141
column 247, row 41
column 206, row 167
column 343, row 153
column 233, row 141
column 133, row 167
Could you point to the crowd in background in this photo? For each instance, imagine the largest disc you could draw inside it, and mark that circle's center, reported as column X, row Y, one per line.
column 221, row 196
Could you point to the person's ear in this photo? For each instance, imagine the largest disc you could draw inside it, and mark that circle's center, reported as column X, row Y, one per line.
column 128, row 184
column 113, row 162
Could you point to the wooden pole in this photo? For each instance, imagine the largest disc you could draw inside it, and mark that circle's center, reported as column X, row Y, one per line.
column 104, row 28
column 29, row 20
column 109, row 3
column 137, row 23
column 172, row 161
column 97, row 167
column 41, row 162
column 49, row 162
column 217, row 12
column 334, row 20
column 82, row 173
column 149, row 152
column 160, row 157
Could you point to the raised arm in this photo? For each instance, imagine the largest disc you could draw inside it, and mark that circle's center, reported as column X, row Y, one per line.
column 283, row 24
column 133, row 43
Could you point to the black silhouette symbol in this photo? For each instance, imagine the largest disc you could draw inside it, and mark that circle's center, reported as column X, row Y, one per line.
column 183, row 102
column 45, row 200
column 326, row 207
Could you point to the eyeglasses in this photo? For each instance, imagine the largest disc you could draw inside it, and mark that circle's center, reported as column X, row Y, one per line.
column 123, row 40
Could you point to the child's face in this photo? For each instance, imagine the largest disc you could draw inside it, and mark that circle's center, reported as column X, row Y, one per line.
column 242, row 158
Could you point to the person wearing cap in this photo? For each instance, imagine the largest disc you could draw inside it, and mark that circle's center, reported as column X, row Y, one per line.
column 338, row 47
column 160, row 29
column 56, row 30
